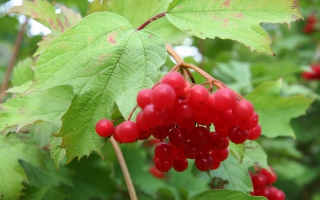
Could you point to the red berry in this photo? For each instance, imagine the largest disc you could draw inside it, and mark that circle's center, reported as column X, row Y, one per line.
column 152, row 116
column 259, row 181
column 278, row 195
column 220, row 155
column 128, row 131
column 271, row 177
column 198, row 96
column 163, row 96
column 163, row 151
column 156, row 173
column 203, row 162
column 215, row 164
column 178, row 137
column 223, row 99
column 104, row 128
column 243, row 110
column 254, row 133
column 180, row 164
column 191, row 151
column 199, row 136
column 143, row 98
column 175, row 80
column 161, row 132
column 237, row 135
column 162, row 165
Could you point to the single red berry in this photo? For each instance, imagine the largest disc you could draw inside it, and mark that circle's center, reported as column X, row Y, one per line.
column 163, row 96
column 178, row 137
column 220, row 155
column 180, row 164
column 223, row 99
column 163, row 165
column 104, row 128
column 237, row 135
column 259, row 181
column 128, row 131
column 243, row 110
column 198, row 96
column 163, row 151
column 191, row 151
column 156, row 173
column 271, row 176
column 143, row 98
column 175, row 80
column 203, row 162
column 254, row 133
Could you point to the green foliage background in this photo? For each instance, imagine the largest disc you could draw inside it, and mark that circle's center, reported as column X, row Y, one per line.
column 291, row 138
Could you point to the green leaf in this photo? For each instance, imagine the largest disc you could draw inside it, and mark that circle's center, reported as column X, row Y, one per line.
column 232, row 19
column 225, row 194
column 275, row 111
column 19, row 90
column 44, row 12
column 147, row 10
column 254, row 155
column 22, row 72
column 43, row 44
column 105, row 64
column 230, row 171
column 237, row 150
column 14, row 147
column 46, row 106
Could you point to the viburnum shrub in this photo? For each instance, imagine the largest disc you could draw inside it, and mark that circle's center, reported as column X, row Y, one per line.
column 110, row 83
column 191, row 121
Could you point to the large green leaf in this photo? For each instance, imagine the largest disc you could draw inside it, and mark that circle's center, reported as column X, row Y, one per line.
column 44, row 12
column 232, row 19
column 275, row 111
column 46, row 106
column 14, row 147
column 147, row 10
column 105, row 64
column 225, row 194
column 254, row 155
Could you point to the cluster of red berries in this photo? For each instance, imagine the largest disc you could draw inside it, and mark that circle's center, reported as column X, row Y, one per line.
column 311, row 24
column 314, row 74
column 262, row 181
column 181, row 117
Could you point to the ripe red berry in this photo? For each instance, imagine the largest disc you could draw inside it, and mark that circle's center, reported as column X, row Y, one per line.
column 104, row 128
column 198, row 96
column 175, row 80
column 243, row 110
column 163, row 165
column 223, row 99
column 143, row 98
column 180, row 164
column 128, row 131
column 254, row 133
column 178, row 137
column 203, row 162
column 163, row 151
column 163, row 96
column 156, row 173
column 271, row 177
column 237, row 135
column 259, row 181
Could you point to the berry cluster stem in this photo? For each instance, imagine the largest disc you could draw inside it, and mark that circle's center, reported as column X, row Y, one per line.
column 124, row 168
column 151, row 20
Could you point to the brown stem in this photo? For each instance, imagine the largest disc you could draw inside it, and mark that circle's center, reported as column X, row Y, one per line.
column 132, row 112
column 124, row 168
column 13, row 58
column 151, row 20
column 174, row 54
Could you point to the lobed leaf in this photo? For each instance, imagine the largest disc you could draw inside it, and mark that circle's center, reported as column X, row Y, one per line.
column 105, row 64
column 232, row 19
column 275, row 111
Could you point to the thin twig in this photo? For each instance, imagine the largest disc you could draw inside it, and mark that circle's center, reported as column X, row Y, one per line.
column 124, row 168
column 151, row 20
column 174, row 54
column 17, row 44
column 134, row 109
